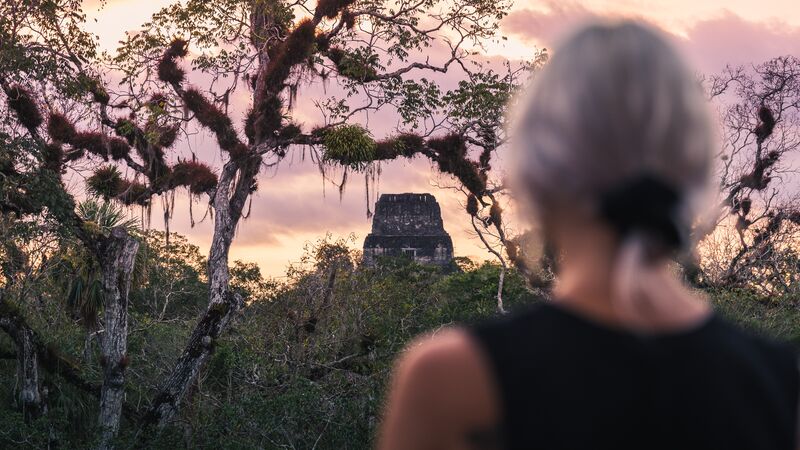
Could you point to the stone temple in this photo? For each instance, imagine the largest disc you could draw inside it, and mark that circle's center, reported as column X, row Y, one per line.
column 408, row 225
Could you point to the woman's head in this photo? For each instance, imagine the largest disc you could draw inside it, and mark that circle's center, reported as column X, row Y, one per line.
column 615, row 115
column 613, row 152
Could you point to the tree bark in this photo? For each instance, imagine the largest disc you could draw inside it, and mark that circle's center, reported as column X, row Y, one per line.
column 223, row 303
column 29, row 395
column 117, row 254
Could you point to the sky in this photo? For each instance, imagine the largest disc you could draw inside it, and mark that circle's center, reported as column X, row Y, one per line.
column 294, row 205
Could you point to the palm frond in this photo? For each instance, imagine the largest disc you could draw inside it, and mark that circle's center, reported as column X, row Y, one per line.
column 105, row 215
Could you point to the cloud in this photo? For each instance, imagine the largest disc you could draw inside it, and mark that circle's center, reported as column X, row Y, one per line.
column 731, row 39
column 544, row 26
column 710, row 43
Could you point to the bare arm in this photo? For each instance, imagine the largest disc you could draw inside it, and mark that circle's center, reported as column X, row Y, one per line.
column 442, row 393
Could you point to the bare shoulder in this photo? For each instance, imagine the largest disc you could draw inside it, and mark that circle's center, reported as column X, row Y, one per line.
column 442, row 390
column 443, row 351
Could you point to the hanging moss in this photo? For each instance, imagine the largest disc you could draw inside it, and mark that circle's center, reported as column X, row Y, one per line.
column 21, row 102
column 159, row 172
column 92, row 142
column 134, row 193
column 198, row 177
column 118, row 148
column 168, row 70
column 472, row 205
column 330, row 8
column 60, row 128
column 451, row 158
column 349, row 145
column 106, row 182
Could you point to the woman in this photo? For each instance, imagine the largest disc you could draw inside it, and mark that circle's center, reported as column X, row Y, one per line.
column 613, row 154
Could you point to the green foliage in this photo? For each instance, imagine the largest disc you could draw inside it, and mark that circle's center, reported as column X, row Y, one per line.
column 777, row 317
column 349, row 145
column 361, row 64
column 32, row 50
column 307, row 361
column 104, row 216
column 416, row 99
column 173, row 281
column 27, row 183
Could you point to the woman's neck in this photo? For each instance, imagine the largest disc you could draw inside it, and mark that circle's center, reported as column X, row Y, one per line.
column 585, row 285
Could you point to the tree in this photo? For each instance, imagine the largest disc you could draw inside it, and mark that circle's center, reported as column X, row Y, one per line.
column 754, row 242
column 276, row 47
column 44, row 44
column 371, row 48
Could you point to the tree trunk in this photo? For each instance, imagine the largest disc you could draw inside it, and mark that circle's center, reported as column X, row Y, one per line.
column 29, row 396
column 223, row 304
column 117, row 255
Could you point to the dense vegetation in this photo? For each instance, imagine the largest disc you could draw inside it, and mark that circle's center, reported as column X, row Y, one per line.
column 305, row 363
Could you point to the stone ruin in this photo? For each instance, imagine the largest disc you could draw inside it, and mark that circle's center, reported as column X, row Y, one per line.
column 408, row 225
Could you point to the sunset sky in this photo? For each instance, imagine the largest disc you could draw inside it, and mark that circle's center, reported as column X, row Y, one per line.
column 293, row 205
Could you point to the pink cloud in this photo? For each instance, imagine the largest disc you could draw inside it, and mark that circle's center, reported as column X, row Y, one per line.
column 710, row 43
column 732, row 39
column 545, row 27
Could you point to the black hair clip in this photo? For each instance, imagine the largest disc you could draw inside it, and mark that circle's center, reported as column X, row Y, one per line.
column 647, row 204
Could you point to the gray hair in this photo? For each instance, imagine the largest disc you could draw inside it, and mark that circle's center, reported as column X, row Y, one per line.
column 614, row 102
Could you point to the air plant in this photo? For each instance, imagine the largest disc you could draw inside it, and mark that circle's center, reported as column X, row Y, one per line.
column 118, row 148
column 106, row 182
column 349, row 145
column 329, row 9
column 168, row 70
column 198, row 177
column 60, row 128
column 20, row 101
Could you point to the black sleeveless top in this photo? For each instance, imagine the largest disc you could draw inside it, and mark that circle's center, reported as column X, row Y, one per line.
column 569, row 383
